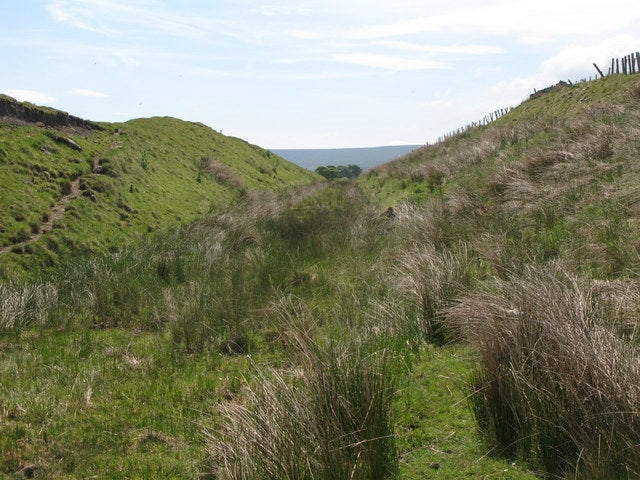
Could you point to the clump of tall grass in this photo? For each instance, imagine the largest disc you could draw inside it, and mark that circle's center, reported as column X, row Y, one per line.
column 329, row 419
column 433, row 280
column 192, row 321
column 116, row 289
column 555, row 382
column 395, row 319
column 429, row 223
column 221, row 173
column 21, row 306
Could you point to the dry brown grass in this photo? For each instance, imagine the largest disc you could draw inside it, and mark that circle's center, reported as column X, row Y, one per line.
column 433, row 280
column 556, row 382
column 328, row 420
column 222, row 173
column 21, row 306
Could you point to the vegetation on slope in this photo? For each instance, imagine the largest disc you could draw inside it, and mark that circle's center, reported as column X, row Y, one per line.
column 484, row 327
column 123, row 181
column 257, row 324
column 538, row 213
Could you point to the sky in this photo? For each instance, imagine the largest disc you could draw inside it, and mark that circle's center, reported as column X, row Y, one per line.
column 305, row 73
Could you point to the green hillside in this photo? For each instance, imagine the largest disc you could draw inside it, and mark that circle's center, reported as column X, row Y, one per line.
column 467, row 311
column 125, row 179
column 556, row 176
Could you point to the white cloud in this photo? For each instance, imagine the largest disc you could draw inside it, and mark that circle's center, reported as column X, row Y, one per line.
column 439, row 104
column 388, row 62
column 515, row 90
column 82, row 92
column 77, row 15
column 531, row 22
column 399, row 143
column 113, row 16
column 306, row 34
column 211, row 73
column 31, row 96
column 575, row 60
column 464, row 49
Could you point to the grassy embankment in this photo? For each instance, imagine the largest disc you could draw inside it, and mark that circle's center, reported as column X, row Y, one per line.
column 486, row 328
column 132, row 178
column 543, row 206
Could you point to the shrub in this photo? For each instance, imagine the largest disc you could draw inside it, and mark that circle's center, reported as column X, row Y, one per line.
column 65, row 186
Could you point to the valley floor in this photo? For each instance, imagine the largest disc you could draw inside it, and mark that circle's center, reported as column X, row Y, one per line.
column 122, row 405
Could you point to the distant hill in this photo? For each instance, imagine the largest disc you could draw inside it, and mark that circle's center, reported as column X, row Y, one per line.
column 363, row 157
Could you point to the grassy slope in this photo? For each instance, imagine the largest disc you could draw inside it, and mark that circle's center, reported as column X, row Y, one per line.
column 518, row 192
column 555, row 177
column 551, row 185
column 154, row 176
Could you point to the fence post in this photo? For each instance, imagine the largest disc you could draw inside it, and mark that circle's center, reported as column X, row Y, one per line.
column 599, row 71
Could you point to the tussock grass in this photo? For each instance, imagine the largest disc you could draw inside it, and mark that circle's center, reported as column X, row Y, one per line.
column 221, row 173
column 555, row 383
column 330, row 419
column 434, row 280
column 23, row 306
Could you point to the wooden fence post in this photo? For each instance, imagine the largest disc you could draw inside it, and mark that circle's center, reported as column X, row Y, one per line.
column 599, row 71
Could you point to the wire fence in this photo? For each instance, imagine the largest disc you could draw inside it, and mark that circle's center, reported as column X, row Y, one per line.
column 627, row 65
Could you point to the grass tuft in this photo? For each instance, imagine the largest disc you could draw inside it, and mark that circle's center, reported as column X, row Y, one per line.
column 330, row 419
column 555, row 382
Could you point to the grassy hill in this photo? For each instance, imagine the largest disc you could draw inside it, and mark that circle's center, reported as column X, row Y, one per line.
column 555, row 175
column 125, row 179
column 484, row 326
column 526, row 247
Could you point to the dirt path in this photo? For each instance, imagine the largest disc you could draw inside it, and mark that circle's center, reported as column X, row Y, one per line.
column 57, row 212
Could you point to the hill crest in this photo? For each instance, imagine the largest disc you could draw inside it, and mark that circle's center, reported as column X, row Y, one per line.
column 24, row 113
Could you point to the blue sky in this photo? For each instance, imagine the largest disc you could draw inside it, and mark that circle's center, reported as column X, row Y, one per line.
column 305, row 73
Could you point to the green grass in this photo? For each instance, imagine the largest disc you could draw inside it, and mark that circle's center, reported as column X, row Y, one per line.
column 437, row 433
column 113, row 402
column 186, row 320
column 117, row 404
column 110, row 386
column 152, row 175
